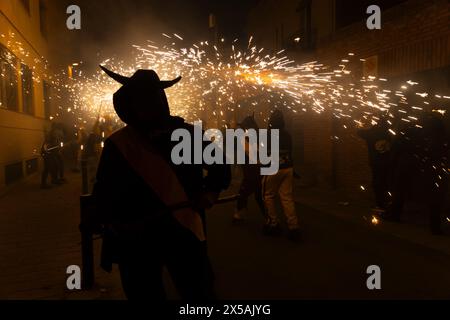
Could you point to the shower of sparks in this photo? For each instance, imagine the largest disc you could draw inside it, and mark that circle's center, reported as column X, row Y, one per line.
column 216, row 82
column 21, row 53
column 222, row 80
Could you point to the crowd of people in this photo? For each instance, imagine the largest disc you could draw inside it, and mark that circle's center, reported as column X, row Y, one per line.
column 267, row 189
column 152, row 212
column 62, row 146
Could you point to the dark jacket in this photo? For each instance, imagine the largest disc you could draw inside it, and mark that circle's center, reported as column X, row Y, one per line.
column 123, row 197
column 277, row 122
column 378, row 144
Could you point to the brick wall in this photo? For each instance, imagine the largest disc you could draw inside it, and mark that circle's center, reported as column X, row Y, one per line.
column 415, row 37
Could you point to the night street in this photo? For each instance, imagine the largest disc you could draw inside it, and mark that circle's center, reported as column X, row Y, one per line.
column 190, row 154
column 329, row 264
column 39, row 238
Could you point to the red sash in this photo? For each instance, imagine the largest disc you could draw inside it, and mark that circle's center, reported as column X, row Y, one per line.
column 158, row 175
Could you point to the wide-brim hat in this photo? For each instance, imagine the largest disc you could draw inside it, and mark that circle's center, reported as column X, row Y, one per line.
column 143, row 89
column 142, row 78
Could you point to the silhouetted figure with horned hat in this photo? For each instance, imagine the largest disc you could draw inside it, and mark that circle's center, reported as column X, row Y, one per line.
column 153, row 210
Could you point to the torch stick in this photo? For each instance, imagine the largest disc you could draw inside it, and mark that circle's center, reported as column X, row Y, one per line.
column 54, row 148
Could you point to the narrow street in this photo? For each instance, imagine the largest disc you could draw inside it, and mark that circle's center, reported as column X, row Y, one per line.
column 39, row 238
column 330, row 263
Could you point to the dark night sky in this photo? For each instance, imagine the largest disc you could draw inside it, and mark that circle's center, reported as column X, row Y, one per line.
column 109, row 23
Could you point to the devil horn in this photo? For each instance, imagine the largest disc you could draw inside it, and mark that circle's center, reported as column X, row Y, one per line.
column 117, row 77
column 170, row 83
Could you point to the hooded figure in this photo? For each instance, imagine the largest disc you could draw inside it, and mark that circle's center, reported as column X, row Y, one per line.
column 153, row 210
column 420, row 160
column 378, row 140
column 141, row 102
column 251, row 176
column 280, row 185
column 277, row 122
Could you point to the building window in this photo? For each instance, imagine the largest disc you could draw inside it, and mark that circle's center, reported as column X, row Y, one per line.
column 8, row 80
column 27, row 90
column 47, row 100
column 43, row 18
column 26, row 5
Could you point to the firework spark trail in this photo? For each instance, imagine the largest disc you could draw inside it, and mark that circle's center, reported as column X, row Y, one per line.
column 217, row 81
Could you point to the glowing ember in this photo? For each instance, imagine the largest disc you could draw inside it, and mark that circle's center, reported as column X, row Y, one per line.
column 375, row 221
